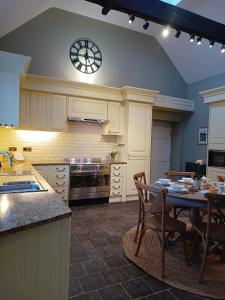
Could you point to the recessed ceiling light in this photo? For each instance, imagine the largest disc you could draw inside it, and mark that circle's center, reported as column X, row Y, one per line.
column 211, row 44
column 223, row 49
column 192, row 38
column 131, row 19
column 166, row 32
column 199, row 41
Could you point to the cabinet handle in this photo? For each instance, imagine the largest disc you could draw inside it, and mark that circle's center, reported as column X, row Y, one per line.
column 60, row 177
column 117, row 175
column 61, row 170
column 116, row 181
column 116, row 188
column 62, row 184
column 59, row 192
column 116, row 169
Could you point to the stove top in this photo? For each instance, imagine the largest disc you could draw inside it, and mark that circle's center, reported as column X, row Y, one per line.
column 84, row 161
column 86, row 165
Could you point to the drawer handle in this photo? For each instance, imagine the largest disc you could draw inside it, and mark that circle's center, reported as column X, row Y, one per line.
column 116, row 181
column 62, row 184
column 116, row 187
column 117, row 175
column 59, row 192
column 115, row 168
column 60, row 177
column 61, row 170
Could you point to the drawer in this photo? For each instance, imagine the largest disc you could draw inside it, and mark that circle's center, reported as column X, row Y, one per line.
column 116, row 173
column 116, row 168
column 62, row 192
column 116, row 180
column 60, row 169
column 114, row 193
column 60, row 183
column 116, row 188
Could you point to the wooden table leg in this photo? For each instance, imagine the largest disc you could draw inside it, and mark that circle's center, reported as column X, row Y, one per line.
column 195, row 219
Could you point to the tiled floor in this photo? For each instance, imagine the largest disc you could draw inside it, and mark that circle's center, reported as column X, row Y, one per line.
column 99, row 269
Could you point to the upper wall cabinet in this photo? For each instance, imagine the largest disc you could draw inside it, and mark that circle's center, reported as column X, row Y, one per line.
column 114, row 126
column 11, row 67
column 217, row 124
column 88, row 109
column 139, row 129
column 42, row 111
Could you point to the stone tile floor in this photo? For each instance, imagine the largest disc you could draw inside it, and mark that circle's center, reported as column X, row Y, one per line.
column 99, row 269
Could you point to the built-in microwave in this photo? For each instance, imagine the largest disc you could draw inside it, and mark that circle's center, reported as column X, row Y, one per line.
column 216, row 158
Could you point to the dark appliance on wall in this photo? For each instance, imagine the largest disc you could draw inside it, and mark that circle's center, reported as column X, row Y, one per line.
column 89, row 181
column 216, row 158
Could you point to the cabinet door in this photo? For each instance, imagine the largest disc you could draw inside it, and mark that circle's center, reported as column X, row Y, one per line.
column 40, row 111
column 139, row 128
column 136, row 166
column 58, row 115
column 25, row 109
column 114, row 125
column 92, row 109
column 217, row 123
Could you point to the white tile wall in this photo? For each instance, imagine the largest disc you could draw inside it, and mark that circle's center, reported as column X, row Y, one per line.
column 81, row 139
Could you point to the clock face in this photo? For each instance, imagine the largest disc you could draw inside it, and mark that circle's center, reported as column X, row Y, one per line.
column 85, row 56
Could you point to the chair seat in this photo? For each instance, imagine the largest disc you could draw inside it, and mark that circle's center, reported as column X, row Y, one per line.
column 217, row 231
column 171, row 224
column 155, row 208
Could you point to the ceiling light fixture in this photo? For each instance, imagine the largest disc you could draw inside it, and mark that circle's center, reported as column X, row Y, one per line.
column 178, row 33
column 166, row 32
column 199, row 41
column 223, row 49
column 192, row 38
column 131, row 19
column 146, row 25
column 211, row 44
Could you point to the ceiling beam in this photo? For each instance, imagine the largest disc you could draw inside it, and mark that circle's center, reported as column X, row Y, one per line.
column 167, row 14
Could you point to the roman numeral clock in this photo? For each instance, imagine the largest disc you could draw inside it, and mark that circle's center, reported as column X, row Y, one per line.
column 86, row 56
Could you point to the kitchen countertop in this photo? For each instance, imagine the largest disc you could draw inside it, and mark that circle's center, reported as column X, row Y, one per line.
column 61, row 162
column 20, row 211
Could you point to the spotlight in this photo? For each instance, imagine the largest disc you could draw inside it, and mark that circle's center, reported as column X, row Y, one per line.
column 131, row 19
column 192, row 38
column 178, row 33
column 166, row 32
column 146, row 25
column 223, row 49
column 199, row 41
column 211, row 44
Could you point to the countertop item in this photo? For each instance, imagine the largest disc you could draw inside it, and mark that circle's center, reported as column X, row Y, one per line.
column 20, row 211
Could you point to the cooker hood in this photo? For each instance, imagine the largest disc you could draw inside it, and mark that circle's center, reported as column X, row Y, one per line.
column 87, row 120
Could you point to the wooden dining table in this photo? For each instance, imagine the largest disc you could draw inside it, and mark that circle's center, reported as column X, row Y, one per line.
column 195, row 201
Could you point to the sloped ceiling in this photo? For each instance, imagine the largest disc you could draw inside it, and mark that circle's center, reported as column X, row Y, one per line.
column 193, row 62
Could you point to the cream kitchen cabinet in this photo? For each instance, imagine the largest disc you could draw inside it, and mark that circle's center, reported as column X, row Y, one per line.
column 135, row 166
column 116, row 180
column 139, row 129
column 42, row 111
column 115, row 119
column 88, row 109
column 217, row 125
column 58, row 177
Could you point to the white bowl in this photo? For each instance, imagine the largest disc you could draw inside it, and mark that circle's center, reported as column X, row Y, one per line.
column 178, row 187
column 164, row 181
column 187, row 180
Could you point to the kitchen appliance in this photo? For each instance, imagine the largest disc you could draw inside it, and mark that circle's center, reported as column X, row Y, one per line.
column 87, row 120
column 216, row 158
column 88, row 179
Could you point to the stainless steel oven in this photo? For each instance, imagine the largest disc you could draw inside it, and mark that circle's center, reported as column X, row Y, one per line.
column 216, row 158
column 89, row 181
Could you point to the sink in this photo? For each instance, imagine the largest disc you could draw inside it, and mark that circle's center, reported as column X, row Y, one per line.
column 20, row 184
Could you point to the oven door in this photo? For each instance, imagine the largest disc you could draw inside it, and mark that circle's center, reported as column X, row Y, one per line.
column 89, row 185
column 216, row 158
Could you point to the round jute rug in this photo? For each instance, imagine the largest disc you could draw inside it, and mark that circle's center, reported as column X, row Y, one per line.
column 178, row 274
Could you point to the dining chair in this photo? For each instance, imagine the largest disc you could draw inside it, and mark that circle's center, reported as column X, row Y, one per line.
column 173, row 175
column 162, row 224
column 212, row 234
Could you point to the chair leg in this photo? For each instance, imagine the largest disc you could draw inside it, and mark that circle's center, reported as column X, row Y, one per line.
column 140, row 238
column 175, row 213
column 163, row 256
column 138, row 226
column 203, row 261
column 185, row 251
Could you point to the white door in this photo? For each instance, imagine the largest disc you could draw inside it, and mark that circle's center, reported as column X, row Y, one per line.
column 161, row 147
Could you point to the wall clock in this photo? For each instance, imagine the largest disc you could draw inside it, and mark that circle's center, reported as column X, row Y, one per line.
column 86, row 56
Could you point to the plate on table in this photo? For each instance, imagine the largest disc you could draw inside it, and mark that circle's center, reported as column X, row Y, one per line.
column 186, row 181
column 183, row 190
column 162, row 184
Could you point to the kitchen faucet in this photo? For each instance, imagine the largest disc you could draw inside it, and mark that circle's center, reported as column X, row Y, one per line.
column 10, row 158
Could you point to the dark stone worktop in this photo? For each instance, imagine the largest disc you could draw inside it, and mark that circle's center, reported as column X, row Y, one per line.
column 20, row 211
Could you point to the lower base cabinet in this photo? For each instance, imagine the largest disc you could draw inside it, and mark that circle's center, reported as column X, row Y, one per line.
column 35, row 262
column 136, row 165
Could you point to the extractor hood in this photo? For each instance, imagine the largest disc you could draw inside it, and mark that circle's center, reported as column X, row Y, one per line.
column 88, row 120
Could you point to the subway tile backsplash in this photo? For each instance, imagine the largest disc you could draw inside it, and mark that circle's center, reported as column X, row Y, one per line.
column 81, row 139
